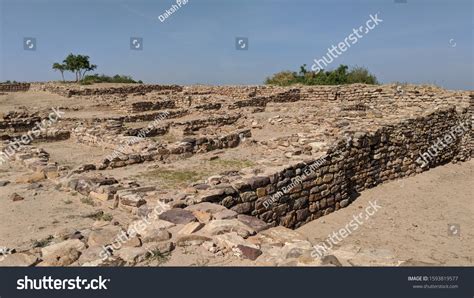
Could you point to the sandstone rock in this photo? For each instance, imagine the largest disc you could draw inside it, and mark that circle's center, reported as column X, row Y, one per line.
column 16, row 197
column 296, row 249
column 191, row 240
column 226, row 214
column 243, row 207
column 217, row 227
column 178, row 216
column 248, row 252
column 206, row 207
column 154, row 235
column 4, row 183
column 191, row 228
column 330, row 260
column 202, row 216
column 101, row 196
column 258, row 181
column 142, row 226
column 133, row 200
column 107, row 262
column 132, row 242
column 30, row 178
column 63, row 253
column 161, row 247
column 231, row 240
column 18, row 260
column 253, row 222
column 211, row 195
column 104, row 236
column 92, row 254
column 133, row 255
column 280, row 235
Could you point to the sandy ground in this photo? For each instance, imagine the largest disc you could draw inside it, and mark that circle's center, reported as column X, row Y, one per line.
column 412, row 223
column 44, row 212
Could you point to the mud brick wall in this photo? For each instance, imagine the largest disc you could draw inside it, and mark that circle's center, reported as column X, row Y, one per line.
column 14, row 87
column 325, row 185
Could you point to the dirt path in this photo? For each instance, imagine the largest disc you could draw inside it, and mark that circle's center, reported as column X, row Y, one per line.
column 412, row 223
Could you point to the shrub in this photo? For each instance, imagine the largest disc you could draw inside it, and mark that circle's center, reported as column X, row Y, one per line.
column 339, row 76
column 95, row 78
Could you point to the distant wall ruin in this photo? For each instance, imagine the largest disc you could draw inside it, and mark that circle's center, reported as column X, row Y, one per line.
column 14, row 87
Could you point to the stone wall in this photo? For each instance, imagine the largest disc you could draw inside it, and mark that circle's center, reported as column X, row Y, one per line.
column 14, row 87
column 370, row 94
column 287, row 96
column 306, row 191
column 74, row 90
column 194, row 125
column 143, row 106
column 235, row 92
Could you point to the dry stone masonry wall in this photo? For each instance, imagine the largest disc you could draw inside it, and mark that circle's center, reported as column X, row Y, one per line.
column 14, row 87
column 362, row 161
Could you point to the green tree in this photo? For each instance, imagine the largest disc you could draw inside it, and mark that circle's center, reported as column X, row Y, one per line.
column 60, row 67
column 79, row 65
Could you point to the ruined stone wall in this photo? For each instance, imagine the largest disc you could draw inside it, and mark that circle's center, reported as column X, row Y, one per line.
column 371, row 94
column 14, row 87
column 287, row 96
column 236, row 92
column 321, row 186
column 69, row 91
column 194, row 125
column 143, row 106
column 19, row 124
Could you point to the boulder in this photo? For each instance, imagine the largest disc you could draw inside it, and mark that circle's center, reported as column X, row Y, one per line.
column 226, row 214
column 178, row 216
column 206, row 207
column 190, row 228
column 248, row 252
column 18, row 260
column 62, row 253
column 202, row 216
column 257, row 224
column 191, row 240
column 154, row 235
column 217, row 227
column 105, row 235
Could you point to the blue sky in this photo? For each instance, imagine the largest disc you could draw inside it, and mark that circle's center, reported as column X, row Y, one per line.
column 421, row 41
